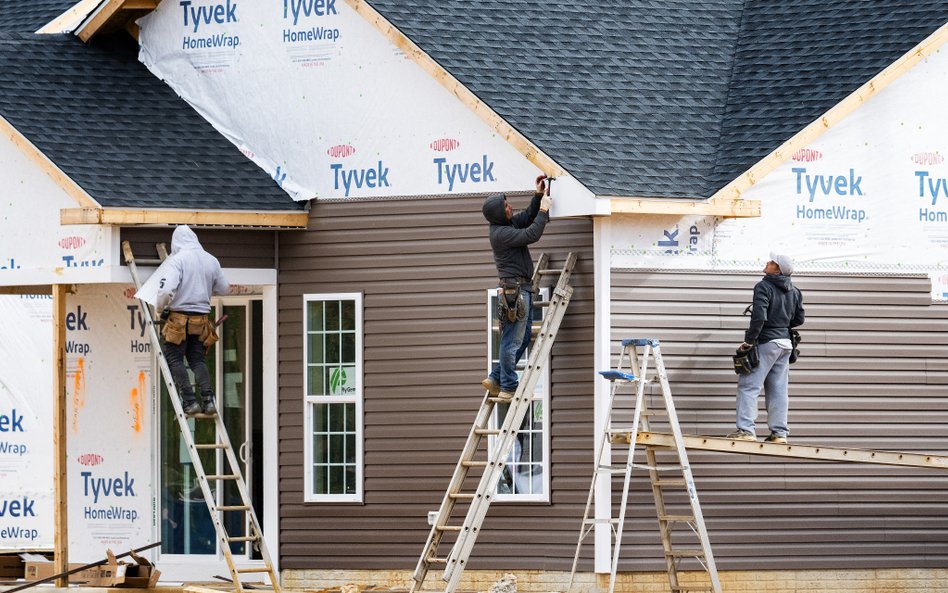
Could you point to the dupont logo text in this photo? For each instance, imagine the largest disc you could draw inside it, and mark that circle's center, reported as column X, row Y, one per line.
column 341, row 151
column 927, row 158
column 90, row 459
column 74, row 242
column 444, row 144
column 807, row 155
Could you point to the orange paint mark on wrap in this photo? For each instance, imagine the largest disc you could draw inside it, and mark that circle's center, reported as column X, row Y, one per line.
column 137, row 395
column 78, row 392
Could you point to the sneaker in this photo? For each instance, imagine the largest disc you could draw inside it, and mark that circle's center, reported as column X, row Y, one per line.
column 191, row 408
column 209, row 406
column 775, row 438
column 505, row 395
column 491, row 386
column 741, row 435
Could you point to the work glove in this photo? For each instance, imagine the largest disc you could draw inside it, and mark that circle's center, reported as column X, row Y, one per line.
column 546, row 203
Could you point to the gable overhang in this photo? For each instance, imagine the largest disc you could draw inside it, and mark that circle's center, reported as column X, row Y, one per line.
column 721, row 207
column 70, row 19
column 115, row 15
column 169, row 216
column 736, row 188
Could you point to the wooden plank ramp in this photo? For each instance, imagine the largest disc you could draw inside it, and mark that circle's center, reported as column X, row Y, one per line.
column 799, row 451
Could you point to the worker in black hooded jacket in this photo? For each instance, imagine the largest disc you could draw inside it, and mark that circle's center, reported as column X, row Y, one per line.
column 510, row 234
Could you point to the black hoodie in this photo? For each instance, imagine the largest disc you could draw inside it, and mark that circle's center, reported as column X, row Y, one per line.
column 778, row 306
column 509, row 238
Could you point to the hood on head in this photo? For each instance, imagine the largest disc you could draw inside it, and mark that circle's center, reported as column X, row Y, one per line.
column 494, row 209
column 780, row 281
column 184, row 238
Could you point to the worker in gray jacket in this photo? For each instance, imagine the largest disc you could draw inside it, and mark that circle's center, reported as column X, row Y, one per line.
column 181, row 288
column 510, row 235
column 777, row 307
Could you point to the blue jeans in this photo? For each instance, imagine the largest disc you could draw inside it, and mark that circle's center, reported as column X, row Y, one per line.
column 773, row 374
column 193, row 349
column 514, row 339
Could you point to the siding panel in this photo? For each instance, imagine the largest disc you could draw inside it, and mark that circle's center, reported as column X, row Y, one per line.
column 257, row 248
column 872, row 375
column 424, row 267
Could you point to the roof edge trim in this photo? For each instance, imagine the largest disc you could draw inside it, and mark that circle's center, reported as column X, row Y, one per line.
column 61, row 24
column 725, row 208
column 131, row 217
column 837, row 113
column 497, row 123
column 59, row 177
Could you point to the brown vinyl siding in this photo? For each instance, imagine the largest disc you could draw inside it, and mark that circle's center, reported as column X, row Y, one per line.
column 424, row 266
column 873, row 374
column 233, row 248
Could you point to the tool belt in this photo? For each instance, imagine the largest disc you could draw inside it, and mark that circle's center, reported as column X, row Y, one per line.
column 181, row 325
column 745, row 361
column 510, row 304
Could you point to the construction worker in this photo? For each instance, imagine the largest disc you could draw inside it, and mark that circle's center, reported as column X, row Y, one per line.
column 510, row 234
column 181, row 289
column 777, row 307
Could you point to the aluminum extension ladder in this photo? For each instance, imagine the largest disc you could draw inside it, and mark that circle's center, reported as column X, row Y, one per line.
column 480, row 499
column 673, row 527
column 222, row 443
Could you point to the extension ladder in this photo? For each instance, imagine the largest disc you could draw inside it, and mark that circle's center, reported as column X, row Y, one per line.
column 505, row 437
column 222, row 443
column 672, row 527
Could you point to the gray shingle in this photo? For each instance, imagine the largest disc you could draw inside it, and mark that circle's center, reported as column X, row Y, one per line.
column 121, row 133
column 662, row 98
column 28, row 16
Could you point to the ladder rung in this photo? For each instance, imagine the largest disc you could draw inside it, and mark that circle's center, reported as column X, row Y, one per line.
column 690, row 553
column 550, row 271
column 678, row 518
column 663, row 483
column 234, row 508
column 449, row 528
column 541, row 304
column 693, row 590
column 461, row 496
column 611, row 470
column 486, row 431
column 430, row 560
column 243, row 538
column 658, row 468
column 474, row 463
column 222, row 477
column 254, row 569
column 600, row 521
column 210, row 446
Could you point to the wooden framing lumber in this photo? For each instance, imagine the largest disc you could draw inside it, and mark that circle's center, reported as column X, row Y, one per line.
column 59, row 24
column 724, row 208
column 46, row 165
column 456, row 88
column 814, row 452
column 37, row 289
column 857, row 98
column 60, row 514
column 246, row 218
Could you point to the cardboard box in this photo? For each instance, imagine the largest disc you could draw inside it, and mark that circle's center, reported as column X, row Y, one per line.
column 11, row 567
column 140, row 574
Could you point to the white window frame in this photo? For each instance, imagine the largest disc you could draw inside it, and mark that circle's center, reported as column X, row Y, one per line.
column 541, row 393
column 357, row 398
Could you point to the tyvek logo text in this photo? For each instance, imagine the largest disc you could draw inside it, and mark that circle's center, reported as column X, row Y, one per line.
column 451, row 173
column 829, row 188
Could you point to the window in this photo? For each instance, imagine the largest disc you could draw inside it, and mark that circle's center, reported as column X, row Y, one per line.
column 332, row 355
column 527, row 474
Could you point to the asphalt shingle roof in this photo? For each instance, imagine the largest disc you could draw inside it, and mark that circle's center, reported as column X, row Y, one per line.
column 667, row 98
column 121, row 133
column 28, row 16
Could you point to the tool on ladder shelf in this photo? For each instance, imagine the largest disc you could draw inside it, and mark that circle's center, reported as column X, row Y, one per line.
column 480, row 499
column 221, row 443
column 670, row 525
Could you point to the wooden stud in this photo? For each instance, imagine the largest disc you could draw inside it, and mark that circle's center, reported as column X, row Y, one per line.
column 857, row 98
column 720, row 207
column 251, row 218
column 46, row 165
column 454, row 86
column 99, row 20
column 60, row 514
column 34, row 289
column 800, row 451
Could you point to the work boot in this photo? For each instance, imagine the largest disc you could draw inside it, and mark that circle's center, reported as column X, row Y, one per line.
column 742, row 435
column 776, row 438
column 191, row 408
column 505, row 395
column 491, row 386
column 209, row 406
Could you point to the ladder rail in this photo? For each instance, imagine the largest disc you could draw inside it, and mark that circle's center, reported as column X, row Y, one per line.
column 222, row 438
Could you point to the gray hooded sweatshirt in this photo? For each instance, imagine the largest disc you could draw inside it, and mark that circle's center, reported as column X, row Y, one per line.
column 190, row 275
column 509, row 238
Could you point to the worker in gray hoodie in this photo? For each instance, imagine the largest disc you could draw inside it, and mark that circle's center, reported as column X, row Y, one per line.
column 510, row 234
column 181, row 288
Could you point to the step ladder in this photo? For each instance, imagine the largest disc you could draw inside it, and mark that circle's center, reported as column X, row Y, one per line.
column 667, row 476
column 221, row 443
column 504, row 438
